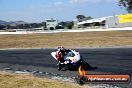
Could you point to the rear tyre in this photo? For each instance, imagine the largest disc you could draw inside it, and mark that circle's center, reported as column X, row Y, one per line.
column 85, row 65
column 81, row 80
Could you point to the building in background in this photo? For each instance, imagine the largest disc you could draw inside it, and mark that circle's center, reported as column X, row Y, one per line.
column 76, row 21
column 51, row 24
column 117, row 21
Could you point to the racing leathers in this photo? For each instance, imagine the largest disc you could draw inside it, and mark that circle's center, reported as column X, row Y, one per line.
column 60, row 55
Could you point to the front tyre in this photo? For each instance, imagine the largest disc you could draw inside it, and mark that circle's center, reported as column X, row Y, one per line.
column 59, row 66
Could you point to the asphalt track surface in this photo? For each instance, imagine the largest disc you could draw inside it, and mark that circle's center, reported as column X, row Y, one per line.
column 107, row 60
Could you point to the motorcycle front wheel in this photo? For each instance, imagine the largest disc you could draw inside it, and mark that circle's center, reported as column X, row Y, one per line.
column 59, row 66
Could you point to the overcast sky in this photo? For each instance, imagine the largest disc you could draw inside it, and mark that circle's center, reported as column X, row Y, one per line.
column 63, row 10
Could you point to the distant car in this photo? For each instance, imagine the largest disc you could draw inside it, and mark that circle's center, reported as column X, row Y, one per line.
column 46, row 29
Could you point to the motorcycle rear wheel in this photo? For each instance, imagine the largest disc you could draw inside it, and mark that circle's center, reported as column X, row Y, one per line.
column 85, row 65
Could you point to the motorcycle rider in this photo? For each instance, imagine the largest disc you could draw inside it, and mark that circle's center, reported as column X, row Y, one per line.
column 61, row 53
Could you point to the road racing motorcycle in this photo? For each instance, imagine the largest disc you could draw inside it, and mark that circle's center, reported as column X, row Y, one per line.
column 72, row 61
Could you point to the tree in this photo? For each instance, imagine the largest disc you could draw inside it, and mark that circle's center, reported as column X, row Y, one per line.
column 8, row 26
column 34, row 25
column 2, row 27
column 20, row 26
column 89, row 18
column 127, row 4
column 62, row 23
column 80, row 17
column 69, row 25
column 44, row 24
column 26, row 26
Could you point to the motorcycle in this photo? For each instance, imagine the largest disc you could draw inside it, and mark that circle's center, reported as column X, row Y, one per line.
column 72, row 61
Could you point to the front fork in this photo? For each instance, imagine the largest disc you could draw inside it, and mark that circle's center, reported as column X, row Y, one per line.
column 59, row 66
column 62, row 66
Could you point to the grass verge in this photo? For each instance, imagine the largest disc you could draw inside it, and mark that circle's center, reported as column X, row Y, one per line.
column 10, row 80
column 87, row 39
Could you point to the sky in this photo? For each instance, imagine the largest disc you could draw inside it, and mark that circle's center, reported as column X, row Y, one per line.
column 63, row 10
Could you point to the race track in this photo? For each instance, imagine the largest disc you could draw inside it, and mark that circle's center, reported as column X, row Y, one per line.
column 107, row 60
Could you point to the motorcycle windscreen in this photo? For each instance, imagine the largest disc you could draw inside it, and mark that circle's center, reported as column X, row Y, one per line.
column 73, row 56
column 53, row 54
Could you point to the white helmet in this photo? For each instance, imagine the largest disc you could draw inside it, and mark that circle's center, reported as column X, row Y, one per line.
column 61, row 48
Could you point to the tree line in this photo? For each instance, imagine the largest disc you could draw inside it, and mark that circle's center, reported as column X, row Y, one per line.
column 61, row 25
column 23, row 26
column 127, row 4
